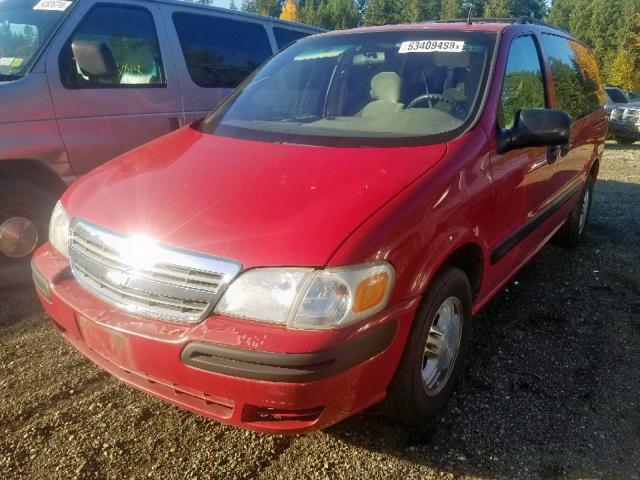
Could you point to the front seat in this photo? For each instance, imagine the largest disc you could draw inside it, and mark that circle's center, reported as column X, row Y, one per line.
column 385, row 91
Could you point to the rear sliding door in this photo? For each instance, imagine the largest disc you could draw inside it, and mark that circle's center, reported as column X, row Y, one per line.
column 215, row 52
column 578, row 91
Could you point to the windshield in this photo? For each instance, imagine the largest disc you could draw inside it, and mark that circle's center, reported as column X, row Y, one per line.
column 379, row 88
column 25, row 26
column 616, row 95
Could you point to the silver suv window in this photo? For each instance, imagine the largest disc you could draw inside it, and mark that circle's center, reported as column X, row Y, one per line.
column 616, row 95
column 220, row 52
column 114, row 47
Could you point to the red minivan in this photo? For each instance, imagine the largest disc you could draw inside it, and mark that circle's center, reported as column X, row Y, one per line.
column 321, row 240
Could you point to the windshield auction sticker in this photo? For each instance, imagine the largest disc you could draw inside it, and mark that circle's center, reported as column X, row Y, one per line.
column 425, row 46
column 59, row 5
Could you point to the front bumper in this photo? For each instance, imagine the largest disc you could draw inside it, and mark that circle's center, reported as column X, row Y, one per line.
column 624, row 129
column 248, row 374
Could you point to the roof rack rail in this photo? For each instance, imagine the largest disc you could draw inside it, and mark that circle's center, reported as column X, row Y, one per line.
column 520, row 20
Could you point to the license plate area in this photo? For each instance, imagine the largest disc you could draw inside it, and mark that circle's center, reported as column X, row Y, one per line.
column 111, row 344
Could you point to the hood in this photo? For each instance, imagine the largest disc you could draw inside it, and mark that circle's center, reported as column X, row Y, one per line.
column 259, row 203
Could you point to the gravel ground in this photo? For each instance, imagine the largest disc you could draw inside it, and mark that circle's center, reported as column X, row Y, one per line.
column 551, row 389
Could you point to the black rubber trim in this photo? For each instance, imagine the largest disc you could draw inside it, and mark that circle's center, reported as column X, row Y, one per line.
column 533, row 223
column 288, row 367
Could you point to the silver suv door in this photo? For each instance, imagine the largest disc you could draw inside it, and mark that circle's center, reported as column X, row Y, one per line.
column 113, row 80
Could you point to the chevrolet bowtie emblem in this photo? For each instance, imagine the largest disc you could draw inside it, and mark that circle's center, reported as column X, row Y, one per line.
column 118, row 278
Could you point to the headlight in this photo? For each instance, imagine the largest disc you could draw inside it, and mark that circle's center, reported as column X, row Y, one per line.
column 307, row 298
column 59, row 230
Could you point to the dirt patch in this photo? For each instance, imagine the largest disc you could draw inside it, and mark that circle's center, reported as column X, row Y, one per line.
column 551, row 388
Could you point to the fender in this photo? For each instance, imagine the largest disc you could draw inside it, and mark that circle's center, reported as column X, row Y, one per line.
column 421, row 228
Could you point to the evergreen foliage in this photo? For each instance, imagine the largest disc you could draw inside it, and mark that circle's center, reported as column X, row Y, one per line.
column 610, row 27
column 269, row 8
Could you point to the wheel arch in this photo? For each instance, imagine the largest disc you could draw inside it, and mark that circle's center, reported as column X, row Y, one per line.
column 469, row 257
column 595, row 168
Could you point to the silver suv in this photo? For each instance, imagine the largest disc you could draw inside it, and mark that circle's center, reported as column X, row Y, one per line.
column 624, row 116
column 82, row 81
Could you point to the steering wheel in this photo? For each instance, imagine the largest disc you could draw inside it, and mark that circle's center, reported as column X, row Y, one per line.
column 434, row 97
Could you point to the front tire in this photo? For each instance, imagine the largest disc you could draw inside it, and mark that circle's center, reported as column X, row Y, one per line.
column 434, row 354
column 25, row 210
column 624, row 140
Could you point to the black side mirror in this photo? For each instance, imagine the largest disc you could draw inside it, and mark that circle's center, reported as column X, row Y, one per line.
column 94, row 59
column 536, row 127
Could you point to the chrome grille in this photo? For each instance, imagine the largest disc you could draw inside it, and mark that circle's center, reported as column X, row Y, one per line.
column 175, row 284
column 628, row 115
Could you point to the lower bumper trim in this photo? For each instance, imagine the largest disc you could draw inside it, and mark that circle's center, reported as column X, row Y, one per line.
column 289, row 367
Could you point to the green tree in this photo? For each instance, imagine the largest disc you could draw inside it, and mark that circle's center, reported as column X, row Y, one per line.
column 308, row 12
column 450, row 9
column 497, row 9
column 330, row 14
column 362, row 6
column 623, row 71
column 339, row 14
column 381, row 12
column 528, row 8
column 420, row 10
column 270, row 8
column 560, row 13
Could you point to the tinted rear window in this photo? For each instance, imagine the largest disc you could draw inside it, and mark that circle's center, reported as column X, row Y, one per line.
column 220, row 52
column 285, row 36
column 576, row 78
column 616, row 95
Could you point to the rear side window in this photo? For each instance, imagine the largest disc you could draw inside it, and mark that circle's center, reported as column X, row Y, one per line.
column 523, row 85
column 220, row 52
column 576, row 78
column 285, row 36
column 114, row 47
column 616, row 95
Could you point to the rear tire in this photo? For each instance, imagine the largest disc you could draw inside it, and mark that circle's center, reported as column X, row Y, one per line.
column 624, row 140
column 573, row 231
column 415, row 397
column 19, row 198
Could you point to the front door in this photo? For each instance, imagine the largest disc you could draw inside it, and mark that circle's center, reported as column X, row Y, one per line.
column 522, row 178
column 121, row 94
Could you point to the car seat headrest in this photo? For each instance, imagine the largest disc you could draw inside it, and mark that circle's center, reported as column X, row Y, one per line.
column 386, row 86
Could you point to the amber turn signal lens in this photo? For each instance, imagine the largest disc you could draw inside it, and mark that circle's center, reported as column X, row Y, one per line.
column 370, row 292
